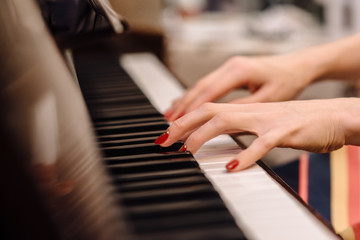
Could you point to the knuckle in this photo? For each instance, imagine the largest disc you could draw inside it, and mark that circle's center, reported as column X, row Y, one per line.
column 239, row 66
column 194, row 139
column 234, row 62
column 178, row 125
column 206, row 107
column 222, row 120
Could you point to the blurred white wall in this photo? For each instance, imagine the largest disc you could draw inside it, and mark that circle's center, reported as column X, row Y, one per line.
column 342, row 17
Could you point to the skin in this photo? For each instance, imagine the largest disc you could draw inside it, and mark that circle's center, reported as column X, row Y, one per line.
column 314, row 125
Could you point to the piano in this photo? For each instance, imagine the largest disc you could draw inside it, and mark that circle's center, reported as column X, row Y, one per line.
column 77, row 127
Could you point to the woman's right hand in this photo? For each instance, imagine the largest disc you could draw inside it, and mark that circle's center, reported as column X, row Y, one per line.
column 269, row 79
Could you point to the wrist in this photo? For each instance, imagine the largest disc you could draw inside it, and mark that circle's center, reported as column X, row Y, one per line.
column 313, row 65
column 350, row 120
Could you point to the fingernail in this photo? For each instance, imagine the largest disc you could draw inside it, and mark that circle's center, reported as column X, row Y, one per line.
column 183, row 148
column 168, row 114
column 162, row 138
column 233, row 164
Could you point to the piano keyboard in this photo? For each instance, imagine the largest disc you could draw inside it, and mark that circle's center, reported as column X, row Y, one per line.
column 164, row 193
column 168, row 194
column 262, row 208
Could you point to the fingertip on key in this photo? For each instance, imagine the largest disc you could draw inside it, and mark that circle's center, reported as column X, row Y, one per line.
column 162, row 138
column 232, row 165
column 183, row 148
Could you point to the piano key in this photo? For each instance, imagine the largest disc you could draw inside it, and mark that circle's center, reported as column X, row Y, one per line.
column 124, row 100
column 132, row 120
column 198, row 233
column 137, row 162
column 152, row 166
column 110, row 137
column 147, row 176
column 183, row 221
column 139, row 149
column 147, row 157
column 163, row 183
column 199, row 191
column 150, row 210
column 134, row 127
column 117, row 113
column 123, row 142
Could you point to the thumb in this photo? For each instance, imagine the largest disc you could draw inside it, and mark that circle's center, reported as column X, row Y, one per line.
column 258, row 149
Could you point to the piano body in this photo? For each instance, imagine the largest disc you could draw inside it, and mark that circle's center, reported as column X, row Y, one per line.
column 77, row 154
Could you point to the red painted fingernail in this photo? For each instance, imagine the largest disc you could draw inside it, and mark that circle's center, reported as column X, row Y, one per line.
column 168, row 114
column 233, row 164
column 162, row 138
column 183, row 148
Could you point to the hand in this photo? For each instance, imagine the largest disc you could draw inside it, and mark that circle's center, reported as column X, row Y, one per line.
column 313, row 125
column 270, row 79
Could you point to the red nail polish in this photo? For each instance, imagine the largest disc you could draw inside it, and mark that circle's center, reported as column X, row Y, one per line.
column 168, row 114
column 183, row 148
column 233, row 164
column 162, row 138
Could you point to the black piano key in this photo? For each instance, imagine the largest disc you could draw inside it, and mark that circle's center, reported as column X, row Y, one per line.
column 209, row 232
column 146, row 176
column 109, row 137
column 154, row 162
column 116, row 108
column 139, row 149
column 111, row 122
column 200, row 191
column 147, row 157
column 183, row 221
column 117, row 113
column 123, row 142
column 152, row 166
column 159, row 209
column 162, row 184
column 133, row 127
column 111, row 104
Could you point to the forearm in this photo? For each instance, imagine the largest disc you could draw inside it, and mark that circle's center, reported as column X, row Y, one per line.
column 337, row 60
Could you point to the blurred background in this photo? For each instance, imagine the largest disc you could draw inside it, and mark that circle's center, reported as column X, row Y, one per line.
column 199, row 35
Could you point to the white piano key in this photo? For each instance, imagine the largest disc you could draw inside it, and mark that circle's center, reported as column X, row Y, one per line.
column 153, row 79
column 261, row 207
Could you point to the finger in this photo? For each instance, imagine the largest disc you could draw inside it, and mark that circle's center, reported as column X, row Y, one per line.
column 191, row 121
column 170, row 111
column 258, row 149
column 210, row 88
column 179, row 108
column 228, row 81
column 223, row 122
column 182, row 127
